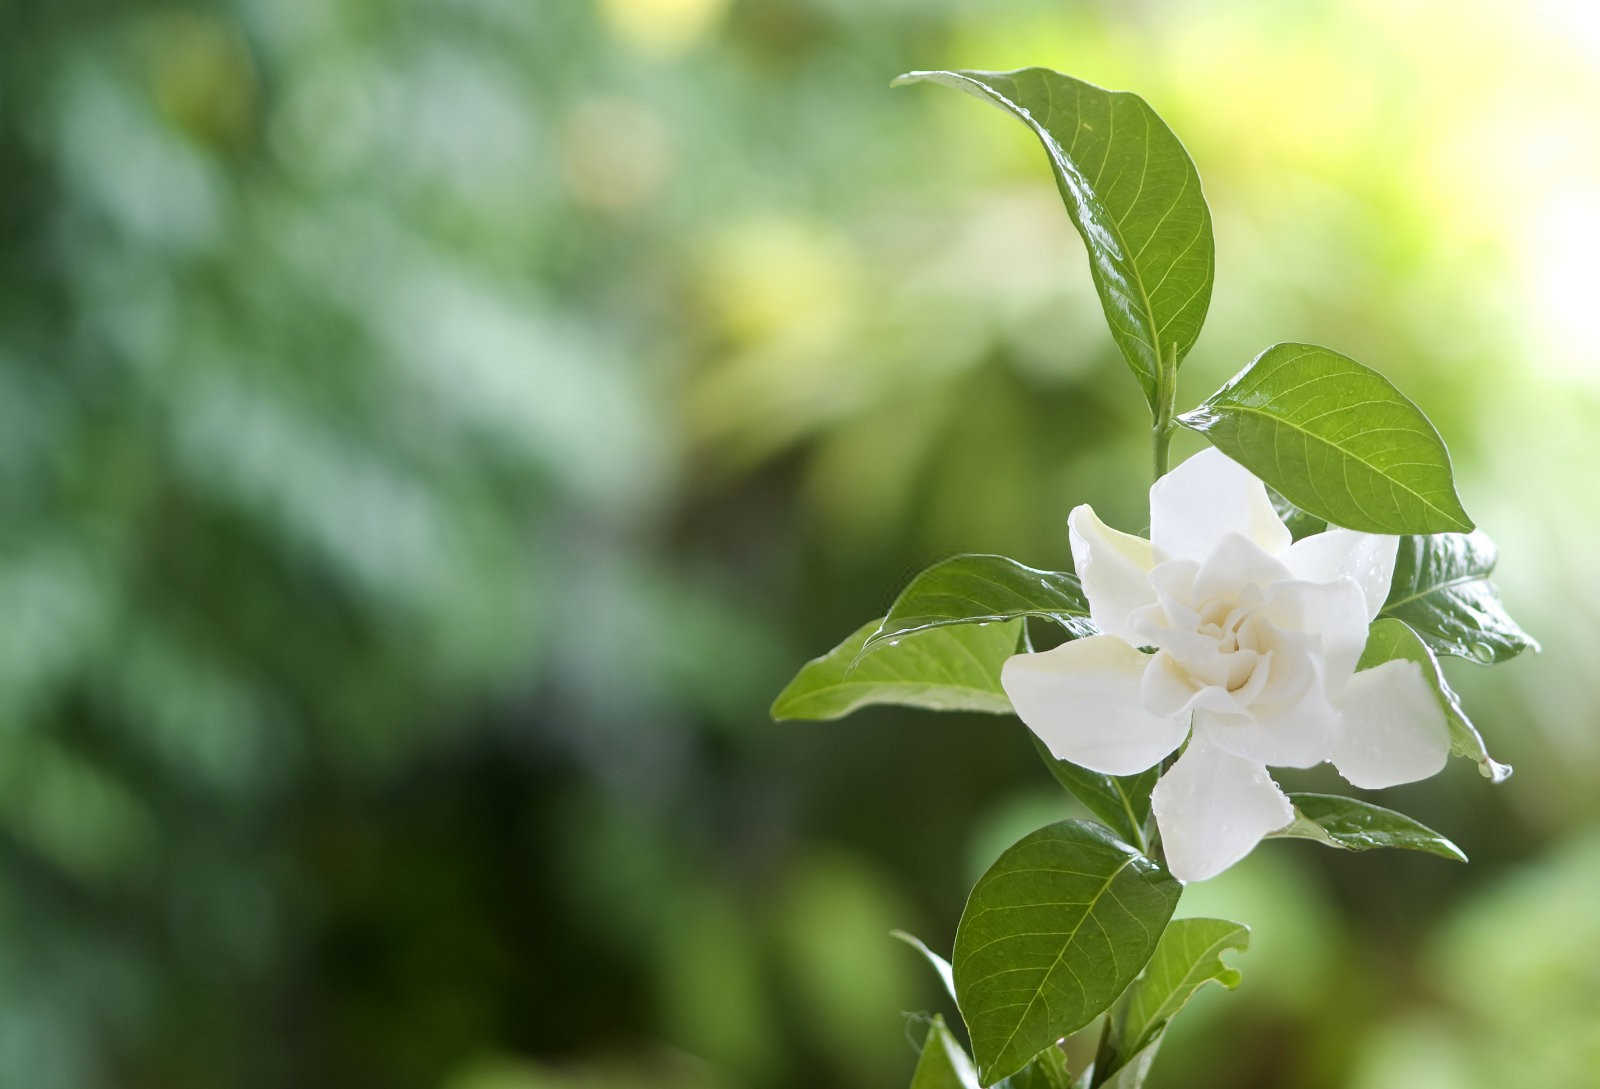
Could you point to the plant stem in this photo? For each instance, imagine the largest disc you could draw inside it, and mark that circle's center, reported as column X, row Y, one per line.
column 1162, row 425
column 1106, row 1059
column 1162, row 436
column 1104, row 1056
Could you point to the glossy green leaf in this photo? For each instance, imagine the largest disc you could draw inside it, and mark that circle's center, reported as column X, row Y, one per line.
column 982, row 589
column 1441, row 588
column 1051, row 935
column 1047, row 1070
column 943, row 669
column 940, row 966
column 1132, row 1074
column 1122, row 802
column 1336, row 439
column 1299, row 523
column 943, row 1064
column 1389, row 639
column 1354, row 825
column 1188, row 956
column 1134, row 195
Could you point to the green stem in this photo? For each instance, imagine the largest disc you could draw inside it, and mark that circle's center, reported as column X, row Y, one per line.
column 1155, row 849
column 1106, row 1059
column 1162, row 437
column 1105, row 1055
column 1162, row 423
column 1162, row 426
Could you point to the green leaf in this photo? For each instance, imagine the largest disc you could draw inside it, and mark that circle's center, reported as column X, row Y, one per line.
column 1123, row 802
column 940, row 965
column 943, row 1064
column 982, row 589
column 1336, row 439
column 943, row 669
column 1188, row 956
column 1132, row 1074
column 1441, row 588
column 1389, row 639
column 1046, row 1070
column 1051, row 935
column 1134, row 195
column 1355, row 825
column 1299, row 523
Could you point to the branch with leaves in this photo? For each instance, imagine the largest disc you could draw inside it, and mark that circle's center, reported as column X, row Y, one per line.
column 1301, row 579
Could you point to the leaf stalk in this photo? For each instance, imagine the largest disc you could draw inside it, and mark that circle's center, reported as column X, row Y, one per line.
column 1164, row 413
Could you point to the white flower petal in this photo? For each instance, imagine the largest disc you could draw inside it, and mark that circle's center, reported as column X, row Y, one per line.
column 1202, row 658
column 1212, row 808
column 1170, row 689
column 1207, row 497
column 1114, row 568
column 1173, row 609
column 1393, row 729
column 1164, row 688
column 1335, row 611
column 1082, row 699
column 1343, row 553
column 1293, row 668
column 1235, row 563
column 1298, row 736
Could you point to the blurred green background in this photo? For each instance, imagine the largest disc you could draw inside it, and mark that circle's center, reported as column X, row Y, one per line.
column 431, row 432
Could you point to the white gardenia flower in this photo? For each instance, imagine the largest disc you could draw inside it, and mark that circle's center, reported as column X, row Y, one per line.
column 1256, row 641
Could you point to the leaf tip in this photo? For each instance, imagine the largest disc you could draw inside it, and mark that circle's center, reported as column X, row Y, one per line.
column 789, row 706
column 1493, row 770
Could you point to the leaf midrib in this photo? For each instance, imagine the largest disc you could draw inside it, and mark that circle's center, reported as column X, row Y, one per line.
column 900, row 681
column 917, row 624
column 1251, row 410
column 1198, row 964
column 1438, row 587
column 930, row 621
column 1056, row 151
column 897, row 682
column 1089, row 906
column 1134, row 824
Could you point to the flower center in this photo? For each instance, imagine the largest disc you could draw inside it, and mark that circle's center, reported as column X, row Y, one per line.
column 1222, row 621
column 1218, row 645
